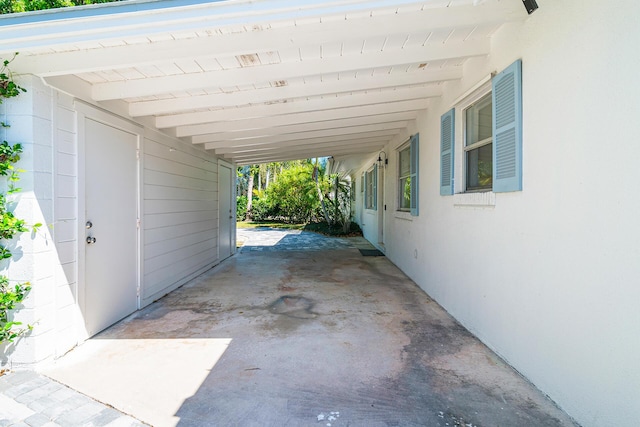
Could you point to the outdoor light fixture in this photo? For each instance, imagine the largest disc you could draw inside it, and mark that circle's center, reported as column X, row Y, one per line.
column 386, row 161
column 530, row 5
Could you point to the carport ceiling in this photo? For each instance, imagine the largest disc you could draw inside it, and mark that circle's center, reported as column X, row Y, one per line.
column 260, row 81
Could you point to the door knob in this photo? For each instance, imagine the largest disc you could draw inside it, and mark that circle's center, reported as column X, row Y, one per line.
column 89, row 224
column 91, row 240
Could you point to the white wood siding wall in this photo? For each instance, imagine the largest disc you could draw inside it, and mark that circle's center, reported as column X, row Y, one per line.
column 180, row 214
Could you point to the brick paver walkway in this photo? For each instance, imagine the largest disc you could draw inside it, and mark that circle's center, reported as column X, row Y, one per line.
column 30, row 399
column 269, row 239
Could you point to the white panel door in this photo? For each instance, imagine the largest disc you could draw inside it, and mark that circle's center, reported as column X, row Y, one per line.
column 225, row 213
column 111, row 194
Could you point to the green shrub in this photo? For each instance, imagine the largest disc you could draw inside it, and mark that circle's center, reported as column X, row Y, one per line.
column 294, row 196
column 263, row 210
column 11, row 294
column 241, row 208
column 333, row 230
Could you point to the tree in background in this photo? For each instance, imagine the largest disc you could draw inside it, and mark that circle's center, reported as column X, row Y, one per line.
column 316, row 178
column 16, row 6
column 339, row 200
column 301, row 191
column 251, row 174
column 293, row 195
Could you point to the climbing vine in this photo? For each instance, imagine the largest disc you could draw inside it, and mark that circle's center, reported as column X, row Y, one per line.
column 10, row 294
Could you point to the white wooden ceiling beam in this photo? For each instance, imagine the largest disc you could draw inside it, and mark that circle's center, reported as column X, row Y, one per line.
column 261, row 131
column 304, row 154
column 251, row 143
column 233, row 99
column 310, row 152
column 315, row 134
column 83, row 30
column 292, row 145
column 309, row 127
column 296, row 107
column 300, row 118
column 283, row 71
column 300, row 132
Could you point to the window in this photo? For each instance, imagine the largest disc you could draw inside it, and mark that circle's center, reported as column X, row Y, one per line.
column 371, row 188
column 404, row 178
column 408, row 176
column 478, row 150
column 492, row 149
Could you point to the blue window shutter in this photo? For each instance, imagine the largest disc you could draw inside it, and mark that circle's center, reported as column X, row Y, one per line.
column 447, row 138
column 507, row 129
column 375, row 187
column 415, row 165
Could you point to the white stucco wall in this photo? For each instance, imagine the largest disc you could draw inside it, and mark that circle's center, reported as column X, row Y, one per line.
column 179, row 223
column 549, row 276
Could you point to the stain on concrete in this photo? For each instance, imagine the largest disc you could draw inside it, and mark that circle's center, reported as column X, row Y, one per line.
column 327, row 332
column 294, row 306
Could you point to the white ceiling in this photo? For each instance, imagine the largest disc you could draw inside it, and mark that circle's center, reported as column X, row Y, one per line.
column 261, row 81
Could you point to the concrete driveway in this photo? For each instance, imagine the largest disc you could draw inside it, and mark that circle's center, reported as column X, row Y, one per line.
column 323, row 336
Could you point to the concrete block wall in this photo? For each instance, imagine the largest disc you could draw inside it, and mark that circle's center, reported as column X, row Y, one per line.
column 65, row 225
column 30, row 116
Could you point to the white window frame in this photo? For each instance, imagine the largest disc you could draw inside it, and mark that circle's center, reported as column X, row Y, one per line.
column 370, row 183
column 479, row 100
column 461, row 198
column 412, row 144
column 400, row 198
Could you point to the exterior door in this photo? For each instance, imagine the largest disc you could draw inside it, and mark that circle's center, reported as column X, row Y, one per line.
column 226, row 213
column 111, row 235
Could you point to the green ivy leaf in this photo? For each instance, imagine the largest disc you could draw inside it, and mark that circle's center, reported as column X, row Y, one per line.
column 10, row 226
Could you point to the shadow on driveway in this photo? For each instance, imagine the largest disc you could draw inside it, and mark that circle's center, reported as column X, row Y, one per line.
column 302, row 338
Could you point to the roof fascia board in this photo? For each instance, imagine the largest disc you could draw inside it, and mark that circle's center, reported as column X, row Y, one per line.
column 138, row 18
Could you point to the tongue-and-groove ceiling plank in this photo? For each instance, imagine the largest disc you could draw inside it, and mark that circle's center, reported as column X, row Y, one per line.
column 304, row 154
column 298, row 107
column 259, row 40
column 233, row 99
column 207, row 139
column 337, row 141
column 140, row 86
column 243, row 145
column 260, row 133
column 262, row 150
column 374, row 112
column 261, row 80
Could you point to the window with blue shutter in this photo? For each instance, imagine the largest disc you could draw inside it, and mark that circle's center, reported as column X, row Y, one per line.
column 507, row 129
column 447, row 132
column 415, row 163
column 408, row 177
